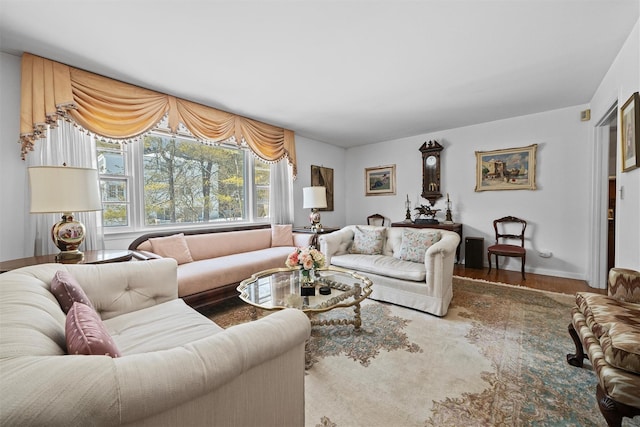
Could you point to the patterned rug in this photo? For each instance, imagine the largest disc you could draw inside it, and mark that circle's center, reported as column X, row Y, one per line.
column 497, row 358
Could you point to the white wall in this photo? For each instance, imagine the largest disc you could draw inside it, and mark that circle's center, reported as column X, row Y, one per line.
column 556, row 212
column 310, row 152
column 13, row 177
column 623, row 79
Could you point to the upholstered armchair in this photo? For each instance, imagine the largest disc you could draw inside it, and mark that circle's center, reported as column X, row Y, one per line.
column 606, row 330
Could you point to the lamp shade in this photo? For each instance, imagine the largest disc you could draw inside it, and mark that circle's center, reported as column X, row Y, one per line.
column 314, row 197
column 64, row 189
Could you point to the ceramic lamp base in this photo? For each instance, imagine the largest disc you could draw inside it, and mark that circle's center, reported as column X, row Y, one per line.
column 68, row 235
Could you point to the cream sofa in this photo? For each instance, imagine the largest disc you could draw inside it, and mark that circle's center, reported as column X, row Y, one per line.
column 177, row 368
column 212, row 262
column 425, row 286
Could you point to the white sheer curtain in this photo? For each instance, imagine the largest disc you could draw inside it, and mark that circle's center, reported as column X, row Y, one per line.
column 281, row 194
column 64, row 144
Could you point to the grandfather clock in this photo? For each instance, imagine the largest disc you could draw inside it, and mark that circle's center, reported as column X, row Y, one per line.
column 431, row 171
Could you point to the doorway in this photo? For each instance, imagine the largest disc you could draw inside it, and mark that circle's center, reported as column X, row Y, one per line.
column 603, row 201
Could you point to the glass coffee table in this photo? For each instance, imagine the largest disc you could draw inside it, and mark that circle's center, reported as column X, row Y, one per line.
column 334, row 287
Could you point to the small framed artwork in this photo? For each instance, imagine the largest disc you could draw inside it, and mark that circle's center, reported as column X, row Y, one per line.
column 507, row 169
column 323, row 177
column 630, row 125
column 380, row 180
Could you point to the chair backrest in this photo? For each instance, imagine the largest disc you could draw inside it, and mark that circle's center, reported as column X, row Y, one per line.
column 375, row 219
column 499, row 226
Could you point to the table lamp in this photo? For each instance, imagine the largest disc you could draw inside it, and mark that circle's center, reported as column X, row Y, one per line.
column 314, row 198
column 65, row 189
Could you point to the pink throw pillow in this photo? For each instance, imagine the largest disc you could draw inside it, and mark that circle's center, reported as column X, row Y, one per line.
column 174, row 246
column 67, row 290
column 281, row 235
column 85, row 333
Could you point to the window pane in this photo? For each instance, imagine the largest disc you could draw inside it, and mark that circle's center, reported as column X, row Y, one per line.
column 190, row 182
column 114, row 202
column 110, row 158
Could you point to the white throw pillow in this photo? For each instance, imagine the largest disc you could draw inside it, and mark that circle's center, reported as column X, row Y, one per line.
column 281, row 235
column 368, row 241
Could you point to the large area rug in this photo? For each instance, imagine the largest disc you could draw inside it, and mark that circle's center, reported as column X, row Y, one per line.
column 497, row 358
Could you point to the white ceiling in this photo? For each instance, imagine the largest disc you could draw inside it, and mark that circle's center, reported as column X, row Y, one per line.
column 343, row 72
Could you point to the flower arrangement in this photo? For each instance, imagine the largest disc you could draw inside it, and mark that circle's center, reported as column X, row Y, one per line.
column 307, row 258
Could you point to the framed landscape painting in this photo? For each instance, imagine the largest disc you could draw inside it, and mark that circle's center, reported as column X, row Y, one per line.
column 507, row 169
column 380, row 180
column 630, row 125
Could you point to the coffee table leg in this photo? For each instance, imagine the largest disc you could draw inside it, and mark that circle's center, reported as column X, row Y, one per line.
column 357, row 322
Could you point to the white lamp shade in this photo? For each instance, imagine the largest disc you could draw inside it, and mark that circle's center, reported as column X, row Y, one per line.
column 64, row 189
column 314, row 197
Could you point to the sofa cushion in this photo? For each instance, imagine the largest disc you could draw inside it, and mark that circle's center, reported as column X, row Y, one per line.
column 85, row 333
column 614, row 324
column 369, row 241
column 67, row 290
column 415, row 244
column 174, row 246
column 159, row 327
column 383, row 265
column 281, row 235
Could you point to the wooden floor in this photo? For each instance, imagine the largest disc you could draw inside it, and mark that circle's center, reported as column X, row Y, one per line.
column 535, row 281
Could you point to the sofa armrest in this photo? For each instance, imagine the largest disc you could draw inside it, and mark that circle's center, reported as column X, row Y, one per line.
column 439, row 260
column 335, row 242
column 624, row 284
column 119, row 288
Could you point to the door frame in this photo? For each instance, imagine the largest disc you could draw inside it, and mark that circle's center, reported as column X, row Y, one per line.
column 598, row 219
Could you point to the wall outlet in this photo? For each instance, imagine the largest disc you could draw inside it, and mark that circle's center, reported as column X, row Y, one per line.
column 545, row 254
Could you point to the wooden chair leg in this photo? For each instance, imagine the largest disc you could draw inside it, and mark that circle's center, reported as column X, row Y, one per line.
column 613, row 411
column 523, row 261
column 489, row 256
column 576, row 358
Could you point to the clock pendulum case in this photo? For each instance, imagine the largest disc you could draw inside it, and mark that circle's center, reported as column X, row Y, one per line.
column 431, row 167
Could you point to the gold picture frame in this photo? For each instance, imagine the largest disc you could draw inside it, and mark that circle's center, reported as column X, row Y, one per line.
column 380, row 180
column 323, row 177
column 630, row 127
column 506, row 169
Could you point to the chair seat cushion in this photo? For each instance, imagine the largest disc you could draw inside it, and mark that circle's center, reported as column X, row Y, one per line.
column 615, row 324
column 507, row 249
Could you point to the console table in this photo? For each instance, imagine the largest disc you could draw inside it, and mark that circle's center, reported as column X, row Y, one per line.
column 457, row 227
column 314, row 238
column 90, row 257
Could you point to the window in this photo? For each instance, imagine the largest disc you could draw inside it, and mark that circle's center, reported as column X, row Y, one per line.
column 178, row 180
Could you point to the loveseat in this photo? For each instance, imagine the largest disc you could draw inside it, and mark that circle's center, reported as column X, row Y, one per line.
column 608, row 328
column 175, row 366
column 409, row 267
column 212, row 262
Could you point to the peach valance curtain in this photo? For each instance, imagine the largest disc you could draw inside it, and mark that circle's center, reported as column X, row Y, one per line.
column 52, row 91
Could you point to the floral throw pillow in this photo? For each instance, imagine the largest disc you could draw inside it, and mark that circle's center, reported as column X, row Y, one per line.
column 368, row 241
column 415, row 244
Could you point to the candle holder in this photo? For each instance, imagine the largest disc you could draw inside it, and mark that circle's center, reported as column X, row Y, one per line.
column 407, row 204
column 448, row 218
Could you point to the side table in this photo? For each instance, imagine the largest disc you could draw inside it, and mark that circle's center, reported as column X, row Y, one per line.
column 314, row 239
column 456, row 226
column 90, row 257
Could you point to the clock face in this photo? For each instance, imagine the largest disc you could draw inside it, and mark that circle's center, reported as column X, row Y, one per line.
column 431, row 161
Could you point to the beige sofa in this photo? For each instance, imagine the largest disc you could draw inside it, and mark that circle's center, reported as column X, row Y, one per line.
column 176, row 366
column 212, row 262
column 424, row 284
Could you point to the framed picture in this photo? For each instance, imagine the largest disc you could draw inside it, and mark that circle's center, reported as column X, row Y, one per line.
column 323, row 177
column 507, row 169
column 630, row 125
column 380, row 181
